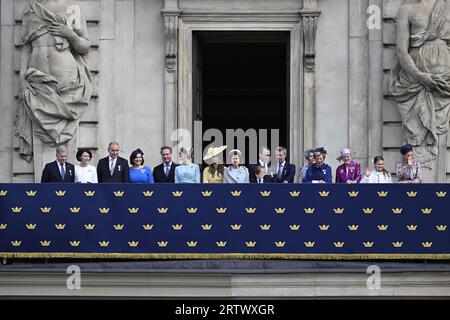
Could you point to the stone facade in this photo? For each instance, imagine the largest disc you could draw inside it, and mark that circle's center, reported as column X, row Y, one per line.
column 140, row 56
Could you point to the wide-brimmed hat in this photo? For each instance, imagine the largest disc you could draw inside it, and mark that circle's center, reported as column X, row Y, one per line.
column 213, row 151
column 344, row 152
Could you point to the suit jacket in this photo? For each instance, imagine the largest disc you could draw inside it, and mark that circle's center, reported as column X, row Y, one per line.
column 287, row 175
column 267, row 179
column 160, row 177
column 251, row 171
column 121, row 172
column 52, row 173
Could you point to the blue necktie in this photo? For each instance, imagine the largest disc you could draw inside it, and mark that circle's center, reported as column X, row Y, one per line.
column 63, row 171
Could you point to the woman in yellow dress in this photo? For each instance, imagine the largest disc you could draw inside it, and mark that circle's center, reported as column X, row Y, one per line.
column 214, row 172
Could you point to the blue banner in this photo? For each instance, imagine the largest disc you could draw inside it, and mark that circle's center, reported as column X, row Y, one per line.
column 201, row 221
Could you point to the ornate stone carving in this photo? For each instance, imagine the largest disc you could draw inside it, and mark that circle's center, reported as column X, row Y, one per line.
column 55, row 80
column 171, row 34
column 422, row 87
column 309, row 21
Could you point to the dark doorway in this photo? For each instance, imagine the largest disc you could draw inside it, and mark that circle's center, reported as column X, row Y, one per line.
column 241, row 80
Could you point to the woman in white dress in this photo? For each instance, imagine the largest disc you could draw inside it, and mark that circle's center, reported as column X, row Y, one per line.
column 379, row 174
column 85, row 172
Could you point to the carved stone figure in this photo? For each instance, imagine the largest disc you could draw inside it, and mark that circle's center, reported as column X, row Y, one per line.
column 422, row 88
column 55, row 80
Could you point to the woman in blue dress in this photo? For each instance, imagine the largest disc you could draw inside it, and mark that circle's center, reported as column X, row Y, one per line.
column 236, row 173
column 138, row 172
column 186, row 172
column 319, row 172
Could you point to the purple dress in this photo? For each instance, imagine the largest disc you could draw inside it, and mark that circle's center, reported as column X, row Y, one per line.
column 346, row 172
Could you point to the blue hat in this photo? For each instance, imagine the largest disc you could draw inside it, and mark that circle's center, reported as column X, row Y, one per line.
column 307, row 153
column 321, row 150
column 406, row 148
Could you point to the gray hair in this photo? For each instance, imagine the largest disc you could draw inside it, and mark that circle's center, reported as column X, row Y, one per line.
column 61, row 149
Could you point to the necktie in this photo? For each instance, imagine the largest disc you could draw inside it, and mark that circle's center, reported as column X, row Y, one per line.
column 113, row 164
column 280, row 171
column 166, row 170
column 63, row 171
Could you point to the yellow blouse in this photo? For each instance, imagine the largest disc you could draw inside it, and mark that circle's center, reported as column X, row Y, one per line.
column 209, row 178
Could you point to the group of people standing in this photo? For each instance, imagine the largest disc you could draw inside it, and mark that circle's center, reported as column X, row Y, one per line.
column 115, row 169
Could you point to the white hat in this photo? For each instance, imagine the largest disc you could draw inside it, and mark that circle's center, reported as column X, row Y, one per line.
column 344, row 152
column 213, row 151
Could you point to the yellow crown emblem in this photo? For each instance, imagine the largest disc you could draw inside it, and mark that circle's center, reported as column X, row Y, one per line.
column 427, row 244
column 412, row 227
column 441, row 228
column 309, row 210
column 74, row 243
column 163, row 244
column 147, row 193
column 31, row 226
column 309, row 244
column 46, row 209
column 60, row 226
column 103, row 210
column 353, row 194
column 177, row 227
column 206, row 227
column 426, row 211
column 221, row 243
column 163, row 210
column 16, row 209
column 191, row 244
column 119, row 193
column 89, row 193
column 265, row 193
column 221, row 210
column 16, row 243
column 89, row 226
column 339, row 244
column 103, row 243
column 382, row 194
column 294, row 193
column 133, row 244
column 353, row 227
column 441, row 194
column 206, row 193
column 397, row 210
column 75, row 210
column 133, row 210
column 45, row 243
column 397, row 244
column 250, row 244
column 250, row 210
column 265, row 227
column 280, row 244
column 60, row 193
column 191, row 210
column 235, row 226
column 280, row 210
column 236, row 193
column 294, row 227
column 338, row 210
column 147, row 227
column 119, row 227
column 368, row 210
column 324, row 193
column 368, row 244
column 31, row 193
column 3, row 193
column 324, row 227
column 411, row 194
column 3, row 226
column 177, row 193
column 383, row 227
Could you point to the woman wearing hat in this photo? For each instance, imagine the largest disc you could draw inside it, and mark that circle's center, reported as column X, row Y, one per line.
column 186, row 172
column 214, row 172
column 319, row 172
column 236, row 173
column 309, row 157
column 349, row 171
column 408, row 170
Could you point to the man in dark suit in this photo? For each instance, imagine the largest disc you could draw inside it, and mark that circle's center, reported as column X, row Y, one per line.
column 262, row 177
column 263, row 162
column 60, row 170
column 113, row 169
column 285, row 171
column 165, row 172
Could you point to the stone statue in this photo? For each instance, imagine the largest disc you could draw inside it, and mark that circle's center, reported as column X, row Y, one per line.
column 422, row 88
column 55, row 80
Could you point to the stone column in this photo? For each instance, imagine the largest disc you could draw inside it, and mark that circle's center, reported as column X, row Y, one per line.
column 309, row 18
column 170, row 13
